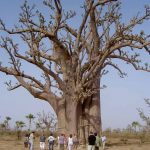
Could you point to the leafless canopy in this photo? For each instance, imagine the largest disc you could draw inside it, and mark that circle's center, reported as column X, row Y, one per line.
column 63, row 52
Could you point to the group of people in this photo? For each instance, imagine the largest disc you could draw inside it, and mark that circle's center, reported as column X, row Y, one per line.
column 95, row 142
column 71, row 142
column 62, row 141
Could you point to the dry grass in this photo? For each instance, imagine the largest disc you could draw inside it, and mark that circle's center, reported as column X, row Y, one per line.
column 10, row 142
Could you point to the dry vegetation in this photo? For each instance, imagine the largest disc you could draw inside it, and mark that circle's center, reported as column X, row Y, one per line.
column 9, row 141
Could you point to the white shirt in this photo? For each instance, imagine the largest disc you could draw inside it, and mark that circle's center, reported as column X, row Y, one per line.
column 103, row 138
column 31, row 138
column 70, row 141
column 51, row 138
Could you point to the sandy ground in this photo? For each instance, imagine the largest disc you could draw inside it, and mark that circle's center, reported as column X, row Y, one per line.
column 18, row 145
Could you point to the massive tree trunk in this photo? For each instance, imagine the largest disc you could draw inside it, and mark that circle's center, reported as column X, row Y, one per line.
column 74, row 117
column 94, row 108
column 90, row 118
column 67, row 109
column 94, row 113
column 67, row 118
column 61, row 116
column 71, row 117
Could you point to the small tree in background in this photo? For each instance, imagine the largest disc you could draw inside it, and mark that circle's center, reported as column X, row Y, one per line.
column 46, row 121
column 144, row 117
column 30, row 117
column 3, row 127
column 19, row 126
column 146, row 127
column 129, row 129
column 5, row 124
column 135, row 124
column 7, row 119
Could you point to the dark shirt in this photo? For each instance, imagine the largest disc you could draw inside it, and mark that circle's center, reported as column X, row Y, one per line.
column 42, row 138
column 91, row 139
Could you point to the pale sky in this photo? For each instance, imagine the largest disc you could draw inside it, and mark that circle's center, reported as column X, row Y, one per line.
column 119, row 100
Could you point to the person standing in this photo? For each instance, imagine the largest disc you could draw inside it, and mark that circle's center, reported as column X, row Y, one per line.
column 75, row 141
column 31, row 141
column 65, row 141
column 70, row 142
column 91, row 141
column 42, row 141
column 103, row 139
column 97, row 142
column 58, row 142
column 51, row 142
column 61, row 142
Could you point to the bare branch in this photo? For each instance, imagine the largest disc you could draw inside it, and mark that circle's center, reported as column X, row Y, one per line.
column 82, row 25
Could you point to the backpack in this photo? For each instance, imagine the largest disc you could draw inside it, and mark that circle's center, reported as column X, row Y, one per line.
column 26, row 142
column 51, row 140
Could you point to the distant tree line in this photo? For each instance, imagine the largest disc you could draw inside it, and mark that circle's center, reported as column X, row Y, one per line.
column 42, row 121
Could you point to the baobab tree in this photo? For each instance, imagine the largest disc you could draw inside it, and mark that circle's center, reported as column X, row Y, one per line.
column 71, row 60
